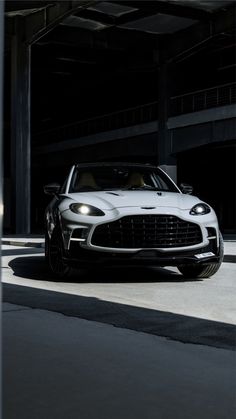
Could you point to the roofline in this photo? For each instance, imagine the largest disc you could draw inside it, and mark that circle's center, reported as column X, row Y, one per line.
column 115, row 164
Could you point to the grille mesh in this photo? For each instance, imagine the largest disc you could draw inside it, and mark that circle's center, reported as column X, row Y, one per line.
column 147, row 231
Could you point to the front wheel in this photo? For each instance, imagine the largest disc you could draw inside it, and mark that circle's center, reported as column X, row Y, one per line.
column 54, row 254
column 203, row 271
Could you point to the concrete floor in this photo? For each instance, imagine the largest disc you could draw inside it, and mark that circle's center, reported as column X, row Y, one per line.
column 63, row 357
column 60, row 367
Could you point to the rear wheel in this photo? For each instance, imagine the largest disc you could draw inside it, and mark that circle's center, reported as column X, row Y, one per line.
column 203, row 271
column 54, row 254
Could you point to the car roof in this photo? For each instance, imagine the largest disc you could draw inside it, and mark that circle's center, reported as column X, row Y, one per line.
column 116, row 164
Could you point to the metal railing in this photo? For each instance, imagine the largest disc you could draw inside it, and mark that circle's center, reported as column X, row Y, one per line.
column 187, row 103
column 203, row 99
column 112, row 121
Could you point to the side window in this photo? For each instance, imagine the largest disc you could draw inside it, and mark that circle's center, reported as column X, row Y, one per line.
column 148, row 179
column 161, row 183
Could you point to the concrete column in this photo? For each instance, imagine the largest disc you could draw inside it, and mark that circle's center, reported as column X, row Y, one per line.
column 165, row 160
column 1, row 158
column 20, row 131
column 1, row 119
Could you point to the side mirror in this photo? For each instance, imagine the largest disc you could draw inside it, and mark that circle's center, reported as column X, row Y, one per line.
column 52, row 188
column 185, row 188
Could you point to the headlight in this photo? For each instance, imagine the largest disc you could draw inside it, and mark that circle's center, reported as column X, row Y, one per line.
column 200, row 209
column 84, row 209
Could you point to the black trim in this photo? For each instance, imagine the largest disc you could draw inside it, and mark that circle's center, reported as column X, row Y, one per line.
column 116, row 164
column 77, row 256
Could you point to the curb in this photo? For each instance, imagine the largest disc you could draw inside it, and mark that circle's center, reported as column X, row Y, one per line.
column 23, row 244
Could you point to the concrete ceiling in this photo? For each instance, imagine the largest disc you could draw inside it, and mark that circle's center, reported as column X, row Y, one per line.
column 97, row 45
column 208, row 5
column 156, row 16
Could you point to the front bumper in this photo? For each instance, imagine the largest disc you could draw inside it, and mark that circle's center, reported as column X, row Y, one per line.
column 79, row 249
column 78, row 256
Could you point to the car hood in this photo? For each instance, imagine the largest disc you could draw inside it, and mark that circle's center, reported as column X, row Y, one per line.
column 109, row 200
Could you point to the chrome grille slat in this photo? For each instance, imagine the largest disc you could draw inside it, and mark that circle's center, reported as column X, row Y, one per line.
column 147, row 231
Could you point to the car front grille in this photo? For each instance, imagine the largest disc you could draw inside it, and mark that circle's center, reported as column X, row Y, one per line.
column 147, row 231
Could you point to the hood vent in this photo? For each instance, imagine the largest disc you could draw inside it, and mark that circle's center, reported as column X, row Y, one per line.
column 113, row 193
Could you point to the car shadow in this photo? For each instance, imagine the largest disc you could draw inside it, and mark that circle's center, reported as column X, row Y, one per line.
column 174, row 326
column 35, row 267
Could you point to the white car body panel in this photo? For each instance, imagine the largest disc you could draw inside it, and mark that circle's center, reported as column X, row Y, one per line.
column 108, row 200
column 117, row 203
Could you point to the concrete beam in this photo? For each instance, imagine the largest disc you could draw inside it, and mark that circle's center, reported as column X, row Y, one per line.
column 218, row 131
column 201, row 117
column 195, row 36
column 99, row 138
column 148, row 8
column 43, row 21
column 39, row 21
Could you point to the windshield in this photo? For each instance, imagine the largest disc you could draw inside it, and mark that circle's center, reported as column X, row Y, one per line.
column 101, row 178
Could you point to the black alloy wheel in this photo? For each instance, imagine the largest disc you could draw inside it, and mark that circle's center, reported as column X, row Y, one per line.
column 54, row 254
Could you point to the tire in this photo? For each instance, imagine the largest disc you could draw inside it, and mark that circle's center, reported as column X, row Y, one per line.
column 46, row 247
column 203, row 271
column 54, row 254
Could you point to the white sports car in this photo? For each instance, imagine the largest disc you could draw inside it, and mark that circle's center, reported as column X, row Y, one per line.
column 129, row 213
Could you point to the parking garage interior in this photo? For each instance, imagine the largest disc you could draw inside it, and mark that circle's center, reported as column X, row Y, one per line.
column 145, row 81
